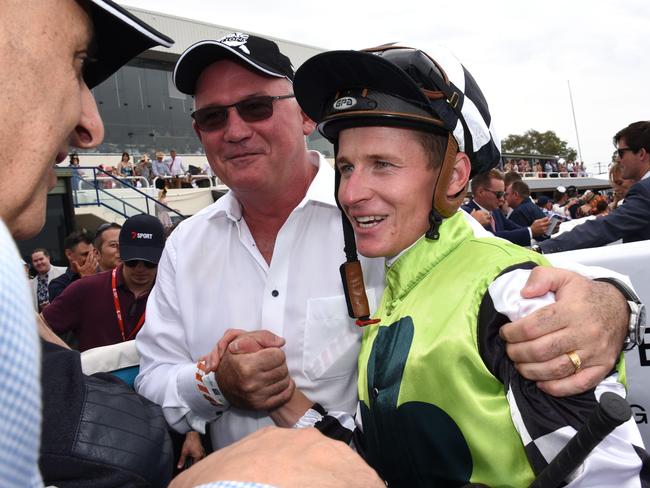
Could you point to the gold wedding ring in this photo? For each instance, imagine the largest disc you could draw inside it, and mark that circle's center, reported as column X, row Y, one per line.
column 575, row 359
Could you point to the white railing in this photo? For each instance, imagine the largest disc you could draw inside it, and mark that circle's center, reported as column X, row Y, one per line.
column 109, row 182
column 189, row 178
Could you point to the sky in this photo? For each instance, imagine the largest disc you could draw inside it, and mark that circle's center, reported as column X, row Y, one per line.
column 523, row 53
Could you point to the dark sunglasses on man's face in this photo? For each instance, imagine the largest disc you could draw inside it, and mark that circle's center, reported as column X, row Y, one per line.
column 134, row 262
column 621, row 151
column 498, row 194
column 251, row 110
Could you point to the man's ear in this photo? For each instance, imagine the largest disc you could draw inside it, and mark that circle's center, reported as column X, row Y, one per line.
column 460, row 174
column 68, row 255
column 308, row 125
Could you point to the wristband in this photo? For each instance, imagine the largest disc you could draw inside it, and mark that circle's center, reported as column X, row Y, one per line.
column 207, row 385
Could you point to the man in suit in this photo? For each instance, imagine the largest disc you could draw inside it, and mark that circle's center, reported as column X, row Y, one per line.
column 630, row 221
column 525, row 211
column 488, row 194
column 45, row 273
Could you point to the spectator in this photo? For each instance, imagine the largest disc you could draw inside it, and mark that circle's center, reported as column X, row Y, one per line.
column 89, row 308
column 619, row 184
column 546, row 204
column 45, row 273
column 77, row 174
column 107, row 246
column 160, row 170
column 82, row 261
column 524, row 212
column 488, row 194
column 581, row 169
column 560, row 199
column 175, row 168
column 508, row 178
column 630, row 221
column 599, row 206
column 539, row 170
column 143, row 168
column 279, row 211
column 161, row 212
column 548, row 167
column 570, row 168
column 125, row 167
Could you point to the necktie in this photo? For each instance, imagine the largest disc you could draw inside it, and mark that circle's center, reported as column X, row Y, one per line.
column 41, row 290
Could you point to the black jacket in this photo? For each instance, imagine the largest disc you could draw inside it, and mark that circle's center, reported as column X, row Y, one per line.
column 505, row 228
column 98, row 432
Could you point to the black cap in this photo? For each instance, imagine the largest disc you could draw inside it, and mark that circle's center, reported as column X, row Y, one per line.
column 142, row 237
column 119, row 37
column 261, row 54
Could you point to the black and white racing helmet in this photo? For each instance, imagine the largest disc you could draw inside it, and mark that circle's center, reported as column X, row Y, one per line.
column 399, row 86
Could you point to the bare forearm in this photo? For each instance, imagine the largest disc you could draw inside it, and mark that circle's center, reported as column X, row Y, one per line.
column 288, row 414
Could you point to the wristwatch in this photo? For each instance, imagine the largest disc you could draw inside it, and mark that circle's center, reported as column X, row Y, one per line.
column 636, row 325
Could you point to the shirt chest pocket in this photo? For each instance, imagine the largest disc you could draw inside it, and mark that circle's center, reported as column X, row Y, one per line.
column 332, row 340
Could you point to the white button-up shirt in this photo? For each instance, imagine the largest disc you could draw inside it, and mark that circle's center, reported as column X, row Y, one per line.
column 175, row 167
column 212, row 277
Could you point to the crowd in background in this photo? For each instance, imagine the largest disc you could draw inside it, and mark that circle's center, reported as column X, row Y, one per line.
column 164, row 172
column 547, row 168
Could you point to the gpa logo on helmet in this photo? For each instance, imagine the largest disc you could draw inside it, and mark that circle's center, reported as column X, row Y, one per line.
column 140, row 235
column 344, row 103
column 236, row 39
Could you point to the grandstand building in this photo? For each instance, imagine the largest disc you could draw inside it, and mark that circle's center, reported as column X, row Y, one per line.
column 142, row 110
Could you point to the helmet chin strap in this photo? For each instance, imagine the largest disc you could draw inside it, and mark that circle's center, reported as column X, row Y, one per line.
column 444, row 206
column 351, row 272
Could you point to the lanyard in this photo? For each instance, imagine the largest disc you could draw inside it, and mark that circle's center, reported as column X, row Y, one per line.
column 118, row 311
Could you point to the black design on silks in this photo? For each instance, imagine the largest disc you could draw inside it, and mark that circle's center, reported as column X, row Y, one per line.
column 542, row 414
column 416, row 444
column 331, row 427
column 644, row 475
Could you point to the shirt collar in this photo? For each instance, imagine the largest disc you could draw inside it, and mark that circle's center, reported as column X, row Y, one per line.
column 646, row 175
column 321, row 190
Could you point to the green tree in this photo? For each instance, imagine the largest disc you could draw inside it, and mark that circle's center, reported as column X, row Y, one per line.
column 535, row 142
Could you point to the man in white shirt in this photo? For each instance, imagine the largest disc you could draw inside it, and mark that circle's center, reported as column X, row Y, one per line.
column 263, row 258
column 175, row 167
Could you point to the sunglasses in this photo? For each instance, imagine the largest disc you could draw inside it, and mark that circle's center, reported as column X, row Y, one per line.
column 132, row 263
column 621, row 151
column 251, row 110
column 498, row 194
